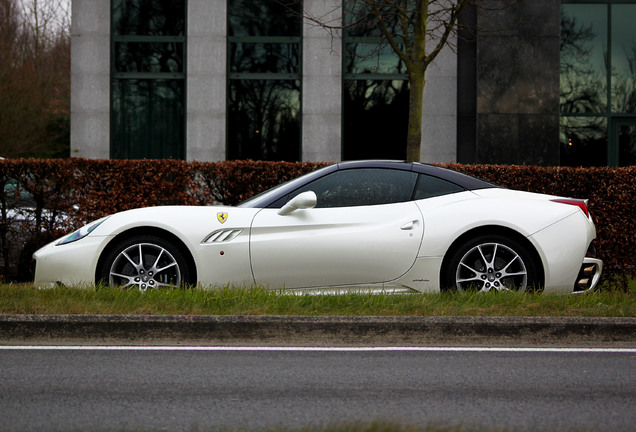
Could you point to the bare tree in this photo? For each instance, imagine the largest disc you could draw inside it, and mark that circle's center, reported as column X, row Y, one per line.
column 34, row 78
column 416, row 30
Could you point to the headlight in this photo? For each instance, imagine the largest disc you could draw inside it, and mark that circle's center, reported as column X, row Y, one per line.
column 81, row 233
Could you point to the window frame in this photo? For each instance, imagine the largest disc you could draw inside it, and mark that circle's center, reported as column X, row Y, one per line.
column 608, row 115
column 369, row 40
column 263, row 76
column 152, row 76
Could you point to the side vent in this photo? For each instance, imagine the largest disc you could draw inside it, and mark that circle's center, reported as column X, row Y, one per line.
column 223, row 235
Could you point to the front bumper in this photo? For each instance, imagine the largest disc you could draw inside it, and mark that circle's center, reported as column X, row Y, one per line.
column 71, row 264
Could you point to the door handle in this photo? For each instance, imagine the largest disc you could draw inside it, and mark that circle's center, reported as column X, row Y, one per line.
column 408, row 226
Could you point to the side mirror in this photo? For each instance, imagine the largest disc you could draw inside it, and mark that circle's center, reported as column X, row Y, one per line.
column 304, row 200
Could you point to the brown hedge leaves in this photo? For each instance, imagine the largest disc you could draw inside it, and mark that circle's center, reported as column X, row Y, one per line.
column 54, row 196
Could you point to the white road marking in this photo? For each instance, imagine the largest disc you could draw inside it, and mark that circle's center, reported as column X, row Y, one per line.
column 314, row 349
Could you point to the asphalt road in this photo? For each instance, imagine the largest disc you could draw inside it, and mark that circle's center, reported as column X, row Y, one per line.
column 101, row 388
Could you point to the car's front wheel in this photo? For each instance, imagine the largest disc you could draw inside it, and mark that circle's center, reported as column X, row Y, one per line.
column 491, row 263
column 145, row 262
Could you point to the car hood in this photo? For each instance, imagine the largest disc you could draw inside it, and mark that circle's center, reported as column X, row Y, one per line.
column 189, row 222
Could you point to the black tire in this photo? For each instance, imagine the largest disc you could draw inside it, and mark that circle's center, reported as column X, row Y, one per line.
column 145, row 262
column 491, row 262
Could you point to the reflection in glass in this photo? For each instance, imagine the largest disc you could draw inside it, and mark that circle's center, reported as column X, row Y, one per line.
column 627, row 145
column 360, row 21
column 366, row 49
column 148, row 119
column 376, row 119
column 372, row 58
column 583, row 54
column 265, row 57
column 149, row 57
column 583, row 141
column 264, row 18
column 623, row 58
column 375, row 109
column 149, row 17
column 264, row 120
column 362, row 187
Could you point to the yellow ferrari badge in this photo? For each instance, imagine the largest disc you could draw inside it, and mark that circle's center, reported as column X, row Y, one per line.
column 222, row 217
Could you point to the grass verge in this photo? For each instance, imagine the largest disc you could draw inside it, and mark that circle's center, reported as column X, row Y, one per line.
column 24, row 299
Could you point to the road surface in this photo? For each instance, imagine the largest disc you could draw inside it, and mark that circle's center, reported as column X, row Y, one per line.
column 207, row 388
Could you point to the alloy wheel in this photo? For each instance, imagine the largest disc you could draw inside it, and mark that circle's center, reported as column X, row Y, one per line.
column 491, row 266
column 144, row 266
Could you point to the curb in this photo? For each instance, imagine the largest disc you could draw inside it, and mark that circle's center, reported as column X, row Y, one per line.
column 316, row 330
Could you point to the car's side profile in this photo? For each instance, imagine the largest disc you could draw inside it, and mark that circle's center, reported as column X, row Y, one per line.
column 364, row 225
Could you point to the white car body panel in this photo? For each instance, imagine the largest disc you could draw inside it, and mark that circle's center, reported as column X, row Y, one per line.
column 335, row 246
column 392, row 247
column 73, row 266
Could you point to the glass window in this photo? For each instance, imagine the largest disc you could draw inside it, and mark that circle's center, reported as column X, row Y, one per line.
column 360, row 187
column 148, row 79
column 371, row 58
column 263, row 119
column 149, row 57
column 583, row 52
column 148, row 17
column 148, row 119
column 375, row 119
column 583, row 141
column 267, row 18
column 376, row 90
column 429, row 187
column 623, row 58
column 264, row 58
column 627, row 145
column 598, row 82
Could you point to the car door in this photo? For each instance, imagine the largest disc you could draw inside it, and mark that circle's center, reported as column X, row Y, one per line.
column 363, row 230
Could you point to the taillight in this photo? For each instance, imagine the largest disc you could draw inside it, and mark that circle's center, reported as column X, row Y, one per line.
column 582, row 204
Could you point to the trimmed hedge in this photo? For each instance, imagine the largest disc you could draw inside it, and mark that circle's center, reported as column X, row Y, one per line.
column 42, row 199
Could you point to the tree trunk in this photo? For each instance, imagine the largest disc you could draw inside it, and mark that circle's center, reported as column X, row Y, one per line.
column 414, row 136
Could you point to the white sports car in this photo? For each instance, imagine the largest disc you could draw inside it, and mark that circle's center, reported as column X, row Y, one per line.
column 364, row 225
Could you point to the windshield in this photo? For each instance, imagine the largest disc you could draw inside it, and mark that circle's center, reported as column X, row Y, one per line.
column 262, row 199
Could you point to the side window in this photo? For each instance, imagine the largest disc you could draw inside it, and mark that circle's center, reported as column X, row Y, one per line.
column 360, row 187
column 429, row 187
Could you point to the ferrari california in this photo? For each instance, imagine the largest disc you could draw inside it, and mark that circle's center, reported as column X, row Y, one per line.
column 362, row 226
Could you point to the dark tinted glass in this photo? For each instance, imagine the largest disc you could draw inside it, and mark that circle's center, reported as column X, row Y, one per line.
column 148, row 85
column 264, row 18
column 359, row 187
column 623, row 58
column 627, row 144
column 265, row 57
column 148, row 119
column 583, row 141
column 598, row 46
column 583, row 58
column 149, row 17
column 376, row 119
column 149, row 57
column 264, row 110
column 365, row 58
column 264, row 120
column 429, row 187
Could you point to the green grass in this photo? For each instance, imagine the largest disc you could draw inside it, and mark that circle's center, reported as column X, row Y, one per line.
column 24, row 299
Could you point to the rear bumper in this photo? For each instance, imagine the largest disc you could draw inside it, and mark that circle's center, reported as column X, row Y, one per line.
column 589, row 275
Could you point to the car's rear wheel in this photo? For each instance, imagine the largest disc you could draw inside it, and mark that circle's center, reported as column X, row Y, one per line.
column 491, row 263
column 145, row 262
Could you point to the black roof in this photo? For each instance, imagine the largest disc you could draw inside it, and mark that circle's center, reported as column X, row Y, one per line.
column 464, row 180
column 273, row 196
